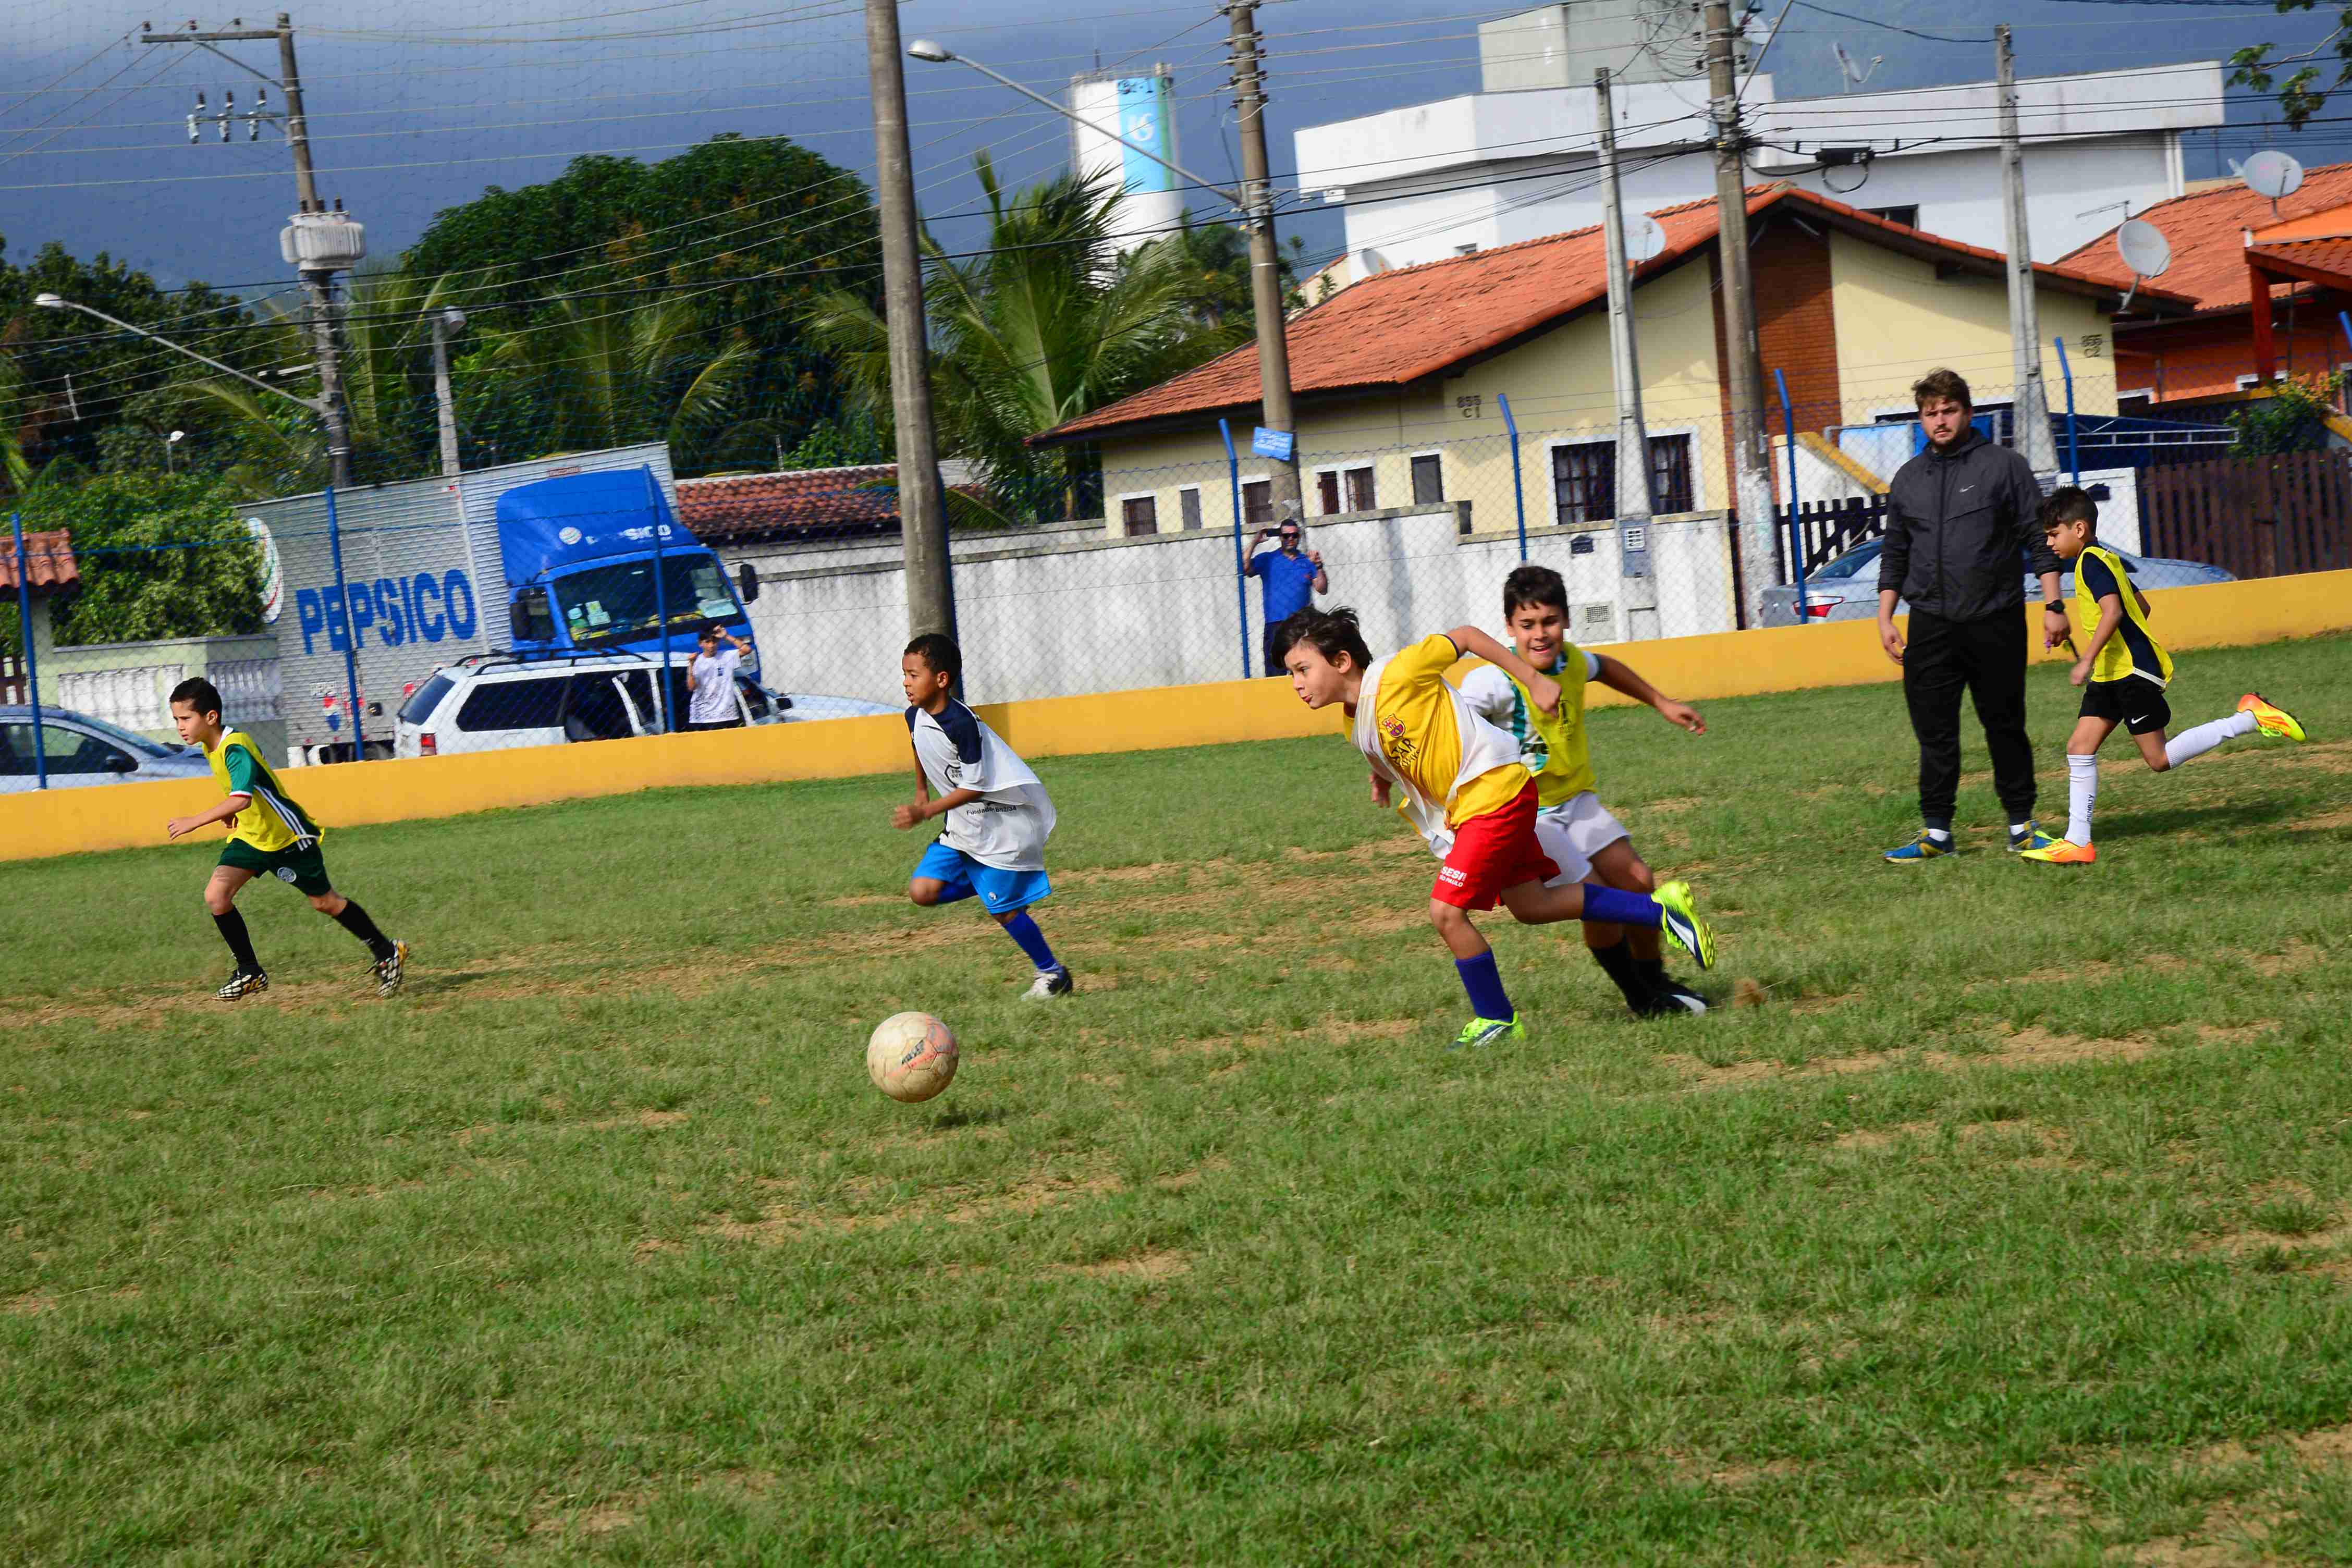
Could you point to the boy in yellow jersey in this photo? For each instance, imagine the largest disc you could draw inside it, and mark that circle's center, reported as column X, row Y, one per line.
column 1465, row 788
column 1574, row 829
column 268, row 832
column 2127, row 671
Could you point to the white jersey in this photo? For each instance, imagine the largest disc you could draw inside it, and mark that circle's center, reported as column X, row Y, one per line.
column 714, row 686
column 1007, row 826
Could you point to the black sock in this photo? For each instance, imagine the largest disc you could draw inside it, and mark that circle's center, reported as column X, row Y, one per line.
column 1652, row 972
column 355, row 921
column 1617, row 962
column 240, row 939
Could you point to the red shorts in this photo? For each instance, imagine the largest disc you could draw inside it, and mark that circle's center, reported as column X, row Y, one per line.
column 1493, row 852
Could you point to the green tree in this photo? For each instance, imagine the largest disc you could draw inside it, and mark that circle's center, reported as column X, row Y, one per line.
column 2292, row 418
column 2299, row 95
column 159, row 556
column 745, row 231
column 1034, row 331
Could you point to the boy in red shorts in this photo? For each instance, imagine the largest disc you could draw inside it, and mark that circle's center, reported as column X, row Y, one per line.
column 1466, row 792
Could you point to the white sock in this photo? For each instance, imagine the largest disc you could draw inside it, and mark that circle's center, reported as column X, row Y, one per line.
column 2205, row 737
column 2082, row 791
column 1940, row 835
column 2016, row 829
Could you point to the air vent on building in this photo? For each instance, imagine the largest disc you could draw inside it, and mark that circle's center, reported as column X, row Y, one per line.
column 1596, row 623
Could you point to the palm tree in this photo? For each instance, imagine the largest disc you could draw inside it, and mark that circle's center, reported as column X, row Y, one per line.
column 1040, row 327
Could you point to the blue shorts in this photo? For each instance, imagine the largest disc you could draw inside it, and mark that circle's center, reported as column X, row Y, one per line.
column 1000, row 891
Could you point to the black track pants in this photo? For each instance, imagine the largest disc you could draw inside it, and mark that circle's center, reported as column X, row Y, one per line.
column 1987, row 659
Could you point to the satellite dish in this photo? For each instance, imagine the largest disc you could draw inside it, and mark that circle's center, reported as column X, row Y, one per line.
column 2272, row 174
column 2145, row 250
column 1851, row 76
column 1643, row 239
column 1371, row 264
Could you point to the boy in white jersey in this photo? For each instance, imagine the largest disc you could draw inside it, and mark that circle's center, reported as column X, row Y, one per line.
column 998, row 815
column 1583, row 839
column 2124, row 673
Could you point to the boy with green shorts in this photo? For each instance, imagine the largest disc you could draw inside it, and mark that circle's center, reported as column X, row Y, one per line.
column 268, row 833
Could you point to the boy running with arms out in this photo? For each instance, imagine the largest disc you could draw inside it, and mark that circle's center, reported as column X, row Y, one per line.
column 1575, row 830
column 268, row 832
column 1466, row 791
column 998, row 815
column 2123, row 675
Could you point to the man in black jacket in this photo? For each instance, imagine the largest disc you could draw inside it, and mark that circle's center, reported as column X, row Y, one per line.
column 1963, row 526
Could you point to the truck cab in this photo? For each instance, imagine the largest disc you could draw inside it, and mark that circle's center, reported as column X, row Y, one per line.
column 596, row 563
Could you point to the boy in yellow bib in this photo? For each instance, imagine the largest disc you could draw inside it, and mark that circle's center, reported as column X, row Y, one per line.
column 2124, row 673
column 268, row 833
column 1582, row 838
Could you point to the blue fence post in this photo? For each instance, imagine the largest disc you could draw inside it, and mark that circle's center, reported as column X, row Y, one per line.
column 1518, row 490
column 1796, row 526
column 350, row 628
column 2073, row 438
column 661, row 591
column 32, row 666
column 1241, row 575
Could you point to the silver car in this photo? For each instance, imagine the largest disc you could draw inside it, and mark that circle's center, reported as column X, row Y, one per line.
column 1846, row 588
column 80, row 750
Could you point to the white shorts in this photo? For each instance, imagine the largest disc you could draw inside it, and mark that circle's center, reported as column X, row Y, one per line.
column 1573, row 832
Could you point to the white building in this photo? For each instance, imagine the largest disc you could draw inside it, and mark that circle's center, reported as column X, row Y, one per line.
column 1519, row 160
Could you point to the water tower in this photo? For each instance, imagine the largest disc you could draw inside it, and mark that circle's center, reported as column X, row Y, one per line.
column 1142, row 109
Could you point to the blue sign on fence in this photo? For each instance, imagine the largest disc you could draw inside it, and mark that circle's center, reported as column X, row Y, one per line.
column 1275, row 444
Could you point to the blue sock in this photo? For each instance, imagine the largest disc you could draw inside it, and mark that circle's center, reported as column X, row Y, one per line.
column 1024, row 930
column 1485, row 986
column 1616, row 907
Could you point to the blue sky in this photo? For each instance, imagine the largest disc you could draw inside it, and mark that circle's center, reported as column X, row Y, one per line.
column 418, row 104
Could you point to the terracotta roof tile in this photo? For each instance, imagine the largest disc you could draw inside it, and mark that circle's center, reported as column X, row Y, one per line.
column 814, row 500
column 2208, row 233
column 1397, row 327
column 2331, row 253
column 49, row 562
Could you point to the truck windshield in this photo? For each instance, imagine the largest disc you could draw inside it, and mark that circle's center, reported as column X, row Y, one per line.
column 616, row 604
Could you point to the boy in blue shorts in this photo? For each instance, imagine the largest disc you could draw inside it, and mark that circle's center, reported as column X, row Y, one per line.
column 998, row 815
column 2124, row 673
column 268, row 833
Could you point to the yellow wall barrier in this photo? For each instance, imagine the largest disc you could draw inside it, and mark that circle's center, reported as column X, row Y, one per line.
column 1723, row 664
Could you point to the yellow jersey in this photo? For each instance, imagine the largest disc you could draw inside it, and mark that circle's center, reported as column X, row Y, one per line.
column 1552, row 748
column 1424, row 729
column 273, row 823
column 2133, row 650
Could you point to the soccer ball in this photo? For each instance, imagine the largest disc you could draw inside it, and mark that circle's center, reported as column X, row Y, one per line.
column 911, row 1057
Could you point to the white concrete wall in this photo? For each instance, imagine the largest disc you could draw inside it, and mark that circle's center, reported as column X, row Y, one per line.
column 1068, row 611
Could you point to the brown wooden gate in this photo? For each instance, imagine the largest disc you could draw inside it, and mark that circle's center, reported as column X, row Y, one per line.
column 2257, row 517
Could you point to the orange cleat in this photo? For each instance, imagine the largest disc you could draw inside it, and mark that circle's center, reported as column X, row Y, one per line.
column 2063, row 852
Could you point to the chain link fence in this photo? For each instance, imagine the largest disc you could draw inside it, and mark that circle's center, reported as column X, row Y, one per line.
column 566, row 599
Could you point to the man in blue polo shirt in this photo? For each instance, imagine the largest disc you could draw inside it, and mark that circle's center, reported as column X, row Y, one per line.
column 1292, row 577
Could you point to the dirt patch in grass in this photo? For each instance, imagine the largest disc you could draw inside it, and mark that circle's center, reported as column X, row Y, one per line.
column 2054, row 1144
column 614, row 1513
column 2299, row 954
column 2234, row 1035
column 641, row 1119
column 2325, row 824
column 1142, row 1266
column 782, row 1223
column 2032, row 1046
column 30, row 1304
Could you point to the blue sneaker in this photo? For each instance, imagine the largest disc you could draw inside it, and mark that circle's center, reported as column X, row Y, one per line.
column 2033, row 838
column 1922, row 848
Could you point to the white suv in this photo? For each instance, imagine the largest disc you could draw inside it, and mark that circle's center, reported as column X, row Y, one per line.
column 491, row 701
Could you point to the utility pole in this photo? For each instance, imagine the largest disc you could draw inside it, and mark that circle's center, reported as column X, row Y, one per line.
column 1634, row 498
column 2029, row 402
column 922, row 507
column 321, row 243
column 1266, row 259
column 443, row 322
column 1752, row 476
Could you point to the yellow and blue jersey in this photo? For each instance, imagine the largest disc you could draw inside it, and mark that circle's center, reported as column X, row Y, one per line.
column 273, row 822
column 2133, row 650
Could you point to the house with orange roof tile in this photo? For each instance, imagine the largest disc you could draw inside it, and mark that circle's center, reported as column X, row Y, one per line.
column 1400, row 380
column 2228, row 243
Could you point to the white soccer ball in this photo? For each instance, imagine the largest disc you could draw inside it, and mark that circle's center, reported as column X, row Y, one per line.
column 911, row 1057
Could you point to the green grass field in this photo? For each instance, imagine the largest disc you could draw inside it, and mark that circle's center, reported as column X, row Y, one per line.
column 2014, row 1227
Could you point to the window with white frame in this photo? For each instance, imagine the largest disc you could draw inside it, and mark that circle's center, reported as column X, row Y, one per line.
column 1345, row 489
column 1139, row 515
column 1428, row 478
column 1257, row 501
column 1188, row 507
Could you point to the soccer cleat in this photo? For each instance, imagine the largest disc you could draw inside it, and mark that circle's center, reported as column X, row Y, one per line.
column 1672, row 999
column 1922, row 848
column 1489, row 1032
column 389, row 971
column 2063, row 852
column 1678, row 918
column 2270, row 719
column 2031, row 841
column 1050, row 983
column 243, row 983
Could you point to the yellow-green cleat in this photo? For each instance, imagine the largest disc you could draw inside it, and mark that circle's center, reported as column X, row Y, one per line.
column 2270, row 718
column 1489, row 1032
column 1679, row 919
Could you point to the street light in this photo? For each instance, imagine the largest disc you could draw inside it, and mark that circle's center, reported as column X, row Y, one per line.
column 173, row 440
column 56, row 302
